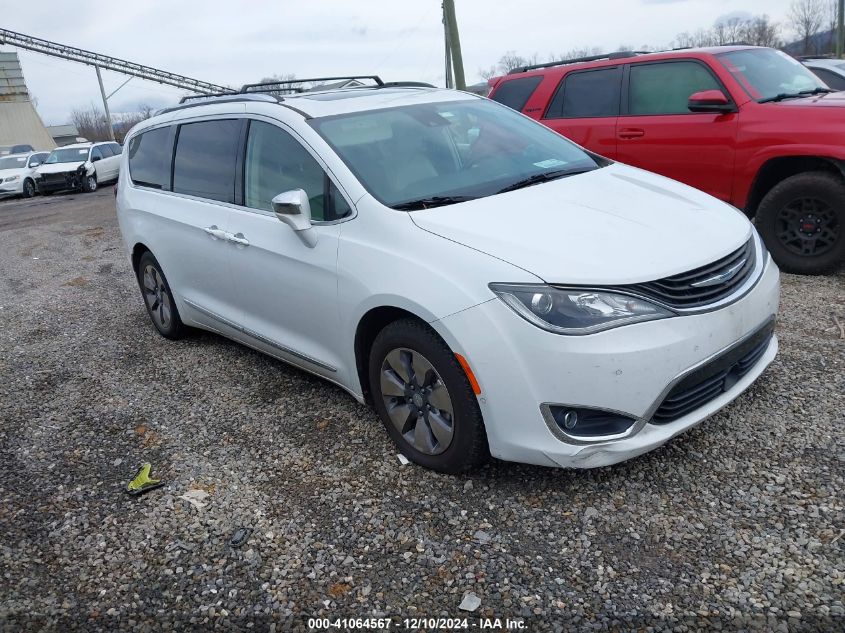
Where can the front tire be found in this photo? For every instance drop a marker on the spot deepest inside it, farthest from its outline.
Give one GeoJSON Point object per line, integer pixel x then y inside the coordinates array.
{"type": "Point", "coordinates": [802, 222]}
{"type": "Point", "coordinates": [89, 184]}
{"type": "Point", "coordinates": [158, 298]}
{"type": "Point", "coordinates": [425, 399]}
{"type": "Point", "coordinates": [28, 188]}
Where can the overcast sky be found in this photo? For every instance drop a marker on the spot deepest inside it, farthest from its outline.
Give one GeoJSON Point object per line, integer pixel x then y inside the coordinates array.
{"type": "Point", "coordinates": [239, 41]}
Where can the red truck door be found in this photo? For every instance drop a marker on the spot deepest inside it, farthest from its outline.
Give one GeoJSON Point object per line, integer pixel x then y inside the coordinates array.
{"type": "Point", "coordinates": [585, 106]}
{"type": "Point", "coordinates": [656, 131]}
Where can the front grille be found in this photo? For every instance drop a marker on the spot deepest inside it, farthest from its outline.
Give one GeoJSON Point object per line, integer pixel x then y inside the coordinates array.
{"type": "Point", "coordinates": [52, 179]}
{"type": "Point", "coordinates": [714, 378]}
{"type": "Point", "coordinates": [703, 285]}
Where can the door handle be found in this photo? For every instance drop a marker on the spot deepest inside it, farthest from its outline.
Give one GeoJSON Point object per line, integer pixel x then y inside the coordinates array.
{"type": "Point", "coordinates": [238, 238]}
{"type": "Point", "coordinates": [215, 232]}
{"type": "Point", "coordinates": [631, 132]}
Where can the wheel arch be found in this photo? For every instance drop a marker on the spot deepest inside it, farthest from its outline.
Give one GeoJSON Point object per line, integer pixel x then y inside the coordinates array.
{"type": "Point", "coordinates": [775, 170]}
{"type": "Point", "coordinates": [369, 325]}
{"type": "Point", "coordinates": [137, 252]}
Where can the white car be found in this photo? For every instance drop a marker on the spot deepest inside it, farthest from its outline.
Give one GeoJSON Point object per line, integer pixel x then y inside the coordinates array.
{"type": "Point", "coordinates": [829, 70]}
{"type": "Point", "coordinates": [17, 173]}
{"type": "Point", "coordinates": [488, 286]}
{"type": "Point", "coordinates": [80, 166]}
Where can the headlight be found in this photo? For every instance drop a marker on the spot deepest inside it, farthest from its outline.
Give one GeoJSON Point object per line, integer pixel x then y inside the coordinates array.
{"type": "Point", "coordinates": [576, 311]}
{"type": "Point", "coordinates": [12, 179]}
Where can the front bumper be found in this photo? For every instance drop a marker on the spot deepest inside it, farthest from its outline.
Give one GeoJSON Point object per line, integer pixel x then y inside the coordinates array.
{"type": "Point", "coordinates": [14, 188]}
{"type": "Point", "coordinates": [627, 369]}
{"type": "Point", "coordinates": [60, 181]}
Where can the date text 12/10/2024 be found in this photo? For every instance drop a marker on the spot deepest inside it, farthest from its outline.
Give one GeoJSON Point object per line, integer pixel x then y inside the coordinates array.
{"type": "Point", "coordinates": [412, 624]}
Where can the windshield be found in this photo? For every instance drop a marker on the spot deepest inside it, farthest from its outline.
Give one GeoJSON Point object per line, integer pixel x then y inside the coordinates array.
{"type": "Point", "coordinates": [68, 155]}
{"type": "Point", "coordinates": [766, 73]}
{"type": "Point", "coordinates": [13, 162]}
{"type": "Point", "coordinates": [438, 153]}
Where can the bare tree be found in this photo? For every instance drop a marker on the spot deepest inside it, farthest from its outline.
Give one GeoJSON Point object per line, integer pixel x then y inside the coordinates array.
{"type": "Point", "coordinates": [728, 31]}
{"type": "Point", "coordinates": [507, 63]}
{"type": "Point", "coordinates": [280, 79]}
{"type": "Point", "coordinates": [91, 123]}
{"type": "Point", "coordinates": [806, 18]}
{"type": "Point", "coordinates": [130, 120]}
{"type": "Point", "coordinates": [759, 31]}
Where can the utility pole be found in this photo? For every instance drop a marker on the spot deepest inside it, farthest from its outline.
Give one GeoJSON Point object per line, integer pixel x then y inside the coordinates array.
{"type": "Point", "coordinates": [105, 103]}
{"type": "Point", "coordinates": [840, 29]}
{"type": "Point", "coordinates": [450, 83]}
{"type": "Point", "coordinates": [454, 43]}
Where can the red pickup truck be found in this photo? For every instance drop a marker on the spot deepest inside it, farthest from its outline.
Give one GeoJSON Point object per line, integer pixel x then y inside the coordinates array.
{"type": "Point", "coordinates": [749, 125]}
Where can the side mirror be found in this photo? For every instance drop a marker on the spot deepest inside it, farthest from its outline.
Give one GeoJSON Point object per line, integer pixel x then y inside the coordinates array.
{"type": "Point", "coordinates": [292, 208]}
{"type": "Point", "coordinates": [96, 158]}
{"type": "Point", "coordinates": [35, 164]}
{"type": "Point", "coordinates": [710, 101]}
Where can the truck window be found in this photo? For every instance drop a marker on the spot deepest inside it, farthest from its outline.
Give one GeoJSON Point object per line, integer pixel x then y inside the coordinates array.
{"type": "Point", "coordinates": [591, 93]}
{"type": "Point", "coordinates": [665, 88]}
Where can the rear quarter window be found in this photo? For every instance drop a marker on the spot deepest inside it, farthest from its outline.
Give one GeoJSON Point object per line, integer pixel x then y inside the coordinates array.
{"type": "Point", "coordinates": [515, 93]}
{"type": "Point", "coordinates": [149, 158]}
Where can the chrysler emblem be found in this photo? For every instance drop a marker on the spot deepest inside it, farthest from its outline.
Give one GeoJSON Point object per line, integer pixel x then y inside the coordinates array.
{"type": "Point", "coordinates": [722, 276]}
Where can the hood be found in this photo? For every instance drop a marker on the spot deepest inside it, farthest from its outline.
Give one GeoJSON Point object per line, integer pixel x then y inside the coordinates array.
{"type": "Point", "coordinates": [57, 168]}
{"type": "Point", "coordinates": [5, 173]}
{"type": "Point", "coordinates": [828, 100]}
{"type": "Point", "coordinates": [615, 225]}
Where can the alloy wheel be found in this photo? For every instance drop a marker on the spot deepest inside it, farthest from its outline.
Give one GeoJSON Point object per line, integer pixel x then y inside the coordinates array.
{"type": "Point", "coordinates": [417, 401]}
{"type": "Point", "coordinates": [807, 227]}
{"type": "Point", "coordinates": [92, 183]}
{"type": "Point", "coordinates": [28, 189]}
{"type": "Point", "coordinates": [156, 296]}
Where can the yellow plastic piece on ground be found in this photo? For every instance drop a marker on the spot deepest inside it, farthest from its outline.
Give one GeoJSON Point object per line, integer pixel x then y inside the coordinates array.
{"type": "Point", "coordinates": [142, 481]}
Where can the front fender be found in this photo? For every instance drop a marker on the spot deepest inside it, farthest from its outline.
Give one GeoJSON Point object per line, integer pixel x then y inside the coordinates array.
{"type": "Point", "coordinates": [762, 155]}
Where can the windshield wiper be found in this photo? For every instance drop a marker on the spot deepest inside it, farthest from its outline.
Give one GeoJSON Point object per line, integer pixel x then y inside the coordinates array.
{"type": "Point", "coordinates": [433, 201]}
{"type": "Point", "coordinates": [542, 177]}
{"type": "Point", "coordinates": [796, 95]}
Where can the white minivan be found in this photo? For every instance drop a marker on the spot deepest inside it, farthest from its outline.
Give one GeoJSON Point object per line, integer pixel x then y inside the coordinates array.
{"type": "Point", "coordinates": [488, 286]}
{"type": "Point", "coordinates": [79, 167]}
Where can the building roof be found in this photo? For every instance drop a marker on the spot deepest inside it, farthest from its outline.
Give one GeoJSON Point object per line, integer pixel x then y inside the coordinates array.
{"type": "Point", "coordinates": [63, 130]}
{"type": "Point", "coordinates": [19, 122]}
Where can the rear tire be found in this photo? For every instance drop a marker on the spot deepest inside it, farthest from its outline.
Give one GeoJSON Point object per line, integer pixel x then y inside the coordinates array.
{"type": "Point", "coordinates": [433, 418]}
{"type": "Point", "coordinates": [28, 188]}
{"type": "Point", "coordinates": [802, 222]}
{"type": "Point", "coordinates": [158, 298]}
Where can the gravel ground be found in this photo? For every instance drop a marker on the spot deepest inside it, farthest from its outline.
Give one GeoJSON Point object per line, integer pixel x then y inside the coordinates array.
{"type": "Point", "coordinates": [738, 523]}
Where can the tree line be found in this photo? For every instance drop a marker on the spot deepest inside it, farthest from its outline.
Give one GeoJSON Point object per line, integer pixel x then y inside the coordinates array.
{"type": "Point", "coordinates": [811, 22]}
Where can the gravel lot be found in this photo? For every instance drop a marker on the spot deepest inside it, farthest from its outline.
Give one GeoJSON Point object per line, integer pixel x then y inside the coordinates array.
{"type": "Point", "coordinates": [739, 523]}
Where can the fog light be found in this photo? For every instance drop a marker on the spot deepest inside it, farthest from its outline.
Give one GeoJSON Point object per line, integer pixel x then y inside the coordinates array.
{"type": "Point", "coordinates": [583, 422]}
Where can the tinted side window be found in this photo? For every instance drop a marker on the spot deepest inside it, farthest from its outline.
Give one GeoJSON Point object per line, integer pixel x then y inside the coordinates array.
{"type": "Point", "coordinates": [116, 148]}
{"type": "Point", "coordinates": [837, 82]}
{"type": "Point", "coordinates": [149, 158]}
{"type": "Point", "coordinates": [275, 162]}
{"type": "Point", "coordinates": [516, 92]}
{"type": "Point", "coordinates": [106, 150]}
{"type": "Point", "coordinates": [666, 88]}
{"type": "Point", "coordinates": [591, 93]}
{"type": "Point", "coordinates": [206, 153]}
{"type": "Point", "coordinates": [96, 153]}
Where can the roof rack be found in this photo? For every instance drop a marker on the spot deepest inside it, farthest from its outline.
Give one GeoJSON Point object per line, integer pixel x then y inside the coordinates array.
{"type": "Point", "coordinates": [269, 90]}
{"type": "Point", "coordinates": [578, 60]}
{"type": "Point", "coordinates": [287, 84]}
